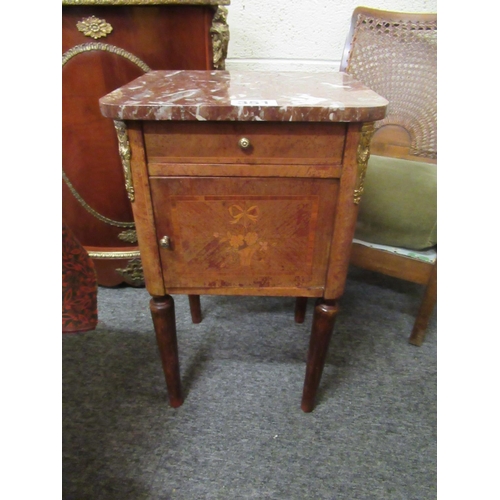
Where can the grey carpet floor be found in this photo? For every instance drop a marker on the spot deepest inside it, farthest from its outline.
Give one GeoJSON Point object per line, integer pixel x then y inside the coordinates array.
{"type": "Point", "coordinates": [240, 433]}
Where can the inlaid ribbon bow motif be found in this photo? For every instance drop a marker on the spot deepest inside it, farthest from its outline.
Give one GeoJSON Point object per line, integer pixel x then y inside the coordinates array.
{"type": "Point", "coordinates": [243, 215]}
{"type": "Point", "coordinates": [246, 244]}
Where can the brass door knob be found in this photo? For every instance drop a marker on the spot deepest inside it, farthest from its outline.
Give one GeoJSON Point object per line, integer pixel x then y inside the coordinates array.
{"type": "Point", "coordinates": [244, 143]}
{"type": "Point", "coordinates": [165, 242]}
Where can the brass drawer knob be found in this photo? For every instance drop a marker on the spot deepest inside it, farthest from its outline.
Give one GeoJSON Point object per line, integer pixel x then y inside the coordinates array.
{"type": "Point", "coordinates": [244, 143]}
{"type": "Point", "coordinates": [165, 242]}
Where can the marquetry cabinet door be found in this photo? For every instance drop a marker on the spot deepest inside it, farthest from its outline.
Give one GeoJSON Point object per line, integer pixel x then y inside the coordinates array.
{"type": "Point", "coordinates": [244, 234]}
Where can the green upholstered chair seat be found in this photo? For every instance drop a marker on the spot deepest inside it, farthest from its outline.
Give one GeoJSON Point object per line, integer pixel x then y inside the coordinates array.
{"type": "Point", "coordinates": [399, 204]}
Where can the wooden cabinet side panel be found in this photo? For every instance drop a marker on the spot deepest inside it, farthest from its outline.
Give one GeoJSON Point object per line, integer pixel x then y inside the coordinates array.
{"type": "Point", "coordinates": [143, 213]}
{"type": "Point", "coordinates": [345, 217]}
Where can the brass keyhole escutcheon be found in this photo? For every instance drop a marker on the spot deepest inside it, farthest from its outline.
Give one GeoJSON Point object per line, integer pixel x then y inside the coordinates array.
{"type": "Point", "coordinates": [165, 242]}
{"type": "Point", "coordinates": [244, 143]}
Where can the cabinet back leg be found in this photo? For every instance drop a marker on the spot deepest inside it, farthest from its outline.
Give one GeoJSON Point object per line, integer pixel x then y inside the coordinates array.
{"type": "Point", "coordinates": [195, 308]}
{"type": "Point", "coordinates": [300, 309]}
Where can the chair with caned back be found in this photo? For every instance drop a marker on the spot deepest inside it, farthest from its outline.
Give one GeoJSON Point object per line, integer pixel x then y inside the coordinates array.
{"type": "Point", "coordinates": [395, 54]}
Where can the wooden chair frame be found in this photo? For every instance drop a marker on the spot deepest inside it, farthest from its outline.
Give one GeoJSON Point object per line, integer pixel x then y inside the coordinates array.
{"type": "Point", "coordinates": [389, 142]}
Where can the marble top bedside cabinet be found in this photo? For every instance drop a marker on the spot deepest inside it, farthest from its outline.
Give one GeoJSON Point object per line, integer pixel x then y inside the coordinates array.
{"type": "Point", "coordinates": [244, 183]}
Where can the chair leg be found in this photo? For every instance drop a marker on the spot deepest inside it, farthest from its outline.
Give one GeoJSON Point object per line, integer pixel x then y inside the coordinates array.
{"type": "Point", "coordinates": [300, 309]}
{"type": "Point", "coordinates": [426, 307]}
{"type": "Point", "coordinates": [324, 316]}
{"type": "Point", "coordinates": [195, 308]}
{"type": "Point", "coordinates": [163, 314]}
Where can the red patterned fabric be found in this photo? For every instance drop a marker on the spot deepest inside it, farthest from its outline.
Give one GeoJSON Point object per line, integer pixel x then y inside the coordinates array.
{"type": "Point", "coordinates": [79, 286]}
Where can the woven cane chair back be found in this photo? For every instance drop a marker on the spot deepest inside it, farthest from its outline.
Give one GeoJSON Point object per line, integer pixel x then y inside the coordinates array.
{"type": "Point", "coordinates": [395, 54]}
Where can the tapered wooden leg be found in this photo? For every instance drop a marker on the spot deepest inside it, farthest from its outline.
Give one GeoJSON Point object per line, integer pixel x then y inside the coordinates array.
{"type": "Point", "coordinates": [426, 307]}
{"type": "Point", "coordinates": [195, 308]}
{"type": "Point", "coordinates": [300, 309]}
{"type": "Point", "coordinates": [325, 313]}
{"type": "Point", "coordinates": [163, 313]}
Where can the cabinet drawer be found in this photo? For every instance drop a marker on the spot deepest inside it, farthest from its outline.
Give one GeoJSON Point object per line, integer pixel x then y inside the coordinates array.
{"type": "Point", "coordinates": [244, 235]}
{"type": "Point", "coordinates": [271, 143]}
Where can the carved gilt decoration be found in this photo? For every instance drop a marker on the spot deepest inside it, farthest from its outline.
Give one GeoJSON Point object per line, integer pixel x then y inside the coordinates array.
{"type": "Point", "coordinates": [362, 156]}
{"type": "Point", "coordinates": [117, 255]}
{"type": "Point", "coordinates": [133, 273]}
{"type": "Point", "coordinates": [87, 47]}
{"type": "Point", "coordinates": [220, 37]}
{"type": "Point", "coordinates": [125, 155]}
{"type": "Point", "coordinates": [94, 27]}
{"type": "Point", "coordinates": [129, 236]}
{"type": "Point", "coordinates": [90, 210]}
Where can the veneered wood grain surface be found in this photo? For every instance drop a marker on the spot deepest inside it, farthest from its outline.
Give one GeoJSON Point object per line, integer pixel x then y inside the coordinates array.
{"type": "Point", "coordinates": [245, 233]}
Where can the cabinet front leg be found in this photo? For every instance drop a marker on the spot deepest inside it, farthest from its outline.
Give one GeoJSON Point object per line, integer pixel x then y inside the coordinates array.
{"type": "Point", "coordinates": [163, 314]}
{"type": "Point", "coordinates": [324, 316]}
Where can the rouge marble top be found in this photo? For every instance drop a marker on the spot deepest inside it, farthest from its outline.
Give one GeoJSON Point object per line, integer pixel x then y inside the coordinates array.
{"type": "Point", "coordinates": [244, 96]}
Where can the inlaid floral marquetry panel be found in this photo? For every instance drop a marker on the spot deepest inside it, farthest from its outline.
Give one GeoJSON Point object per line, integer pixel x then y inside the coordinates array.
{"type": "Point", "coordinates": [243, 239]}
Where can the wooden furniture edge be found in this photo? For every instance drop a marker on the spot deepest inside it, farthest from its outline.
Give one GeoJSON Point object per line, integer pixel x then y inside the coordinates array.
{"type": "Point", "coordinates": [342, 237]}
{"type": "Point", "coordinates": [397, 266]}
{"type": "Point", "coordinates": [143, 209]}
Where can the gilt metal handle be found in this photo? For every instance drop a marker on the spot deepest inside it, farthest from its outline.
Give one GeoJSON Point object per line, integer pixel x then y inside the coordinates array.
{"type": "Point", "coordinates": [165, 242]}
